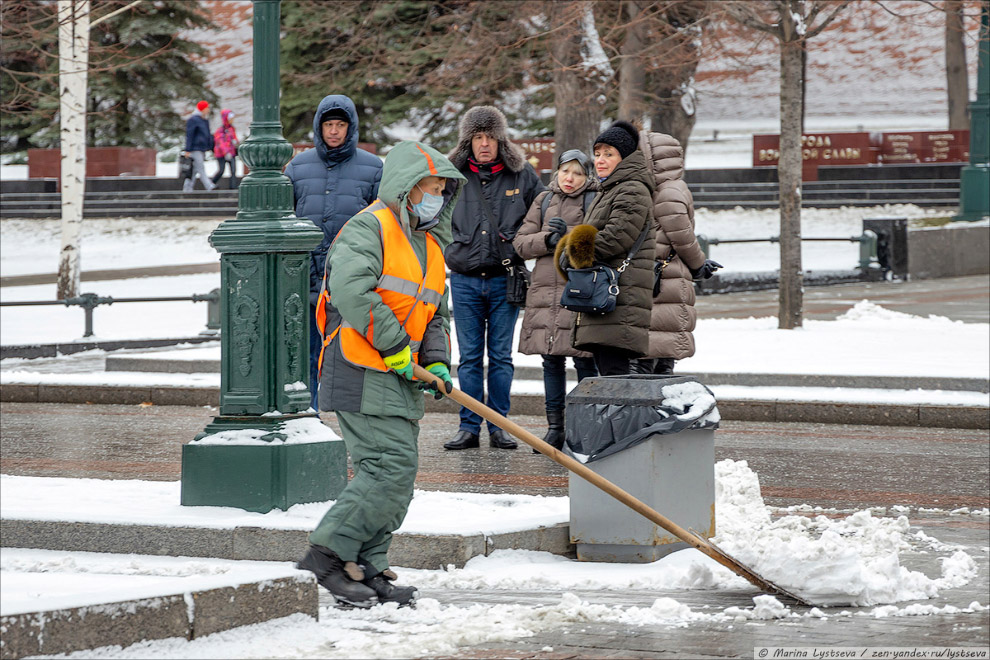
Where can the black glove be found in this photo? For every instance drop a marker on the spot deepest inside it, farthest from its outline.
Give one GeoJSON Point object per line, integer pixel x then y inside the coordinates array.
{"type": "Point", "coordinates": [557, 229]}
{"type": "Point", "coordinates": [707, 270]}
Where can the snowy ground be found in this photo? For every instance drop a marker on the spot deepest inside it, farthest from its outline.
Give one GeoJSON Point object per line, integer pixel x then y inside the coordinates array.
{"type": "Point", "coordinates": [841, 561]}
{"type": "Point", "coordinates": [32, 247]}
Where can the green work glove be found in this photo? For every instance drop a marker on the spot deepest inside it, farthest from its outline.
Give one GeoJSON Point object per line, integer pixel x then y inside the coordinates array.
{"type": "Point", "coordinates": [440, 370]}
{"type": "Point", "coordinates": [401, 362]}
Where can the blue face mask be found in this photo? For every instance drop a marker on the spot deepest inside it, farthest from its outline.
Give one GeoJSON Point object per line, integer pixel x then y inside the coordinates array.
{"type": "Point", "coordinates": [428, 207]}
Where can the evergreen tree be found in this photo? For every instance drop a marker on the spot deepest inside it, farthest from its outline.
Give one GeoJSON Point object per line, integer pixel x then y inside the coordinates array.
{"type": "Point", "coordinates": [28, 91]}
{"type": "Point", "coordinates": [422, 62]}
{"type": "Point", "coordinates": [138, 68]}
{"type": "Point", "coordinates": [147, 71]}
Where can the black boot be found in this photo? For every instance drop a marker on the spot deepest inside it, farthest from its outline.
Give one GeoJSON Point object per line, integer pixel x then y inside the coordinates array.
{"type": "Point", "coordinates": [463, 440]}
{"type": "Point", "coordinates": [386, 591]}
{"type": "Point", "coordinates": [500, 440]}
{"type": "Point", "coordinates": [340, 579]}
{"type": "Point", "coordinates": [555, 430]}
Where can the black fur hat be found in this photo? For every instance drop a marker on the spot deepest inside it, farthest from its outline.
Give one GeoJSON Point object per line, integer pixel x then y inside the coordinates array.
{"type": "Point", "coordinates": [489, 120]}
{"type": "Point", "coordinates": [622, 135]}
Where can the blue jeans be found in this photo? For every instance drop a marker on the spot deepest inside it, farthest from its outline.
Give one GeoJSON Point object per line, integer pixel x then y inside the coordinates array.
{"type": "Point", "coordinates": [482, 314]}
{"type": "Point", "coordinates": [555, 377]}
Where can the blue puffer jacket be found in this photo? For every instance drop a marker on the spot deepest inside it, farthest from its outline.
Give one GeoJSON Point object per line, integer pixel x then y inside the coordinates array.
{"type": "Point", "coordinates": [332, 185]}
{"type": "Point", "coordinates": [198, 137]}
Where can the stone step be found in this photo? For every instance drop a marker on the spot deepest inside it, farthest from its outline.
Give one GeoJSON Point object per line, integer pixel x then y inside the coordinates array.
{"type": "Point", "coordinates": [758, 410]}
{"type": "Point", "coordinates": [175, 611]}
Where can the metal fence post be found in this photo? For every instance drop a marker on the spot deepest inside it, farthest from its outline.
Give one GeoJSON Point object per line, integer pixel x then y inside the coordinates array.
{"type": "Point", "coordinates": [868, 250]}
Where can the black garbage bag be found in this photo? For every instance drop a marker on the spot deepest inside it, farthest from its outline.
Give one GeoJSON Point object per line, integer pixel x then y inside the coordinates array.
{"type": "Point", "coordinates": [606, 415]}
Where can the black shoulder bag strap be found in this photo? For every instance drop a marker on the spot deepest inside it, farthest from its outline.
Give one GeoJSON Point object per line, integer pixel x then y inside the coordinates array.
{"type": "Point", "coordinates": [638, 244]}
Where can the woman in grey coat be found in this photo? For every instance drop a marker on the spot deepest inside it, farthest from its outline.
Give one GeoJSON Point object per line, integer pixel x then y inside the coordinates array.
{"type": "Point", "coordinates": [612, 226]}
{"type": "Point", "coordinates": [546, 326]}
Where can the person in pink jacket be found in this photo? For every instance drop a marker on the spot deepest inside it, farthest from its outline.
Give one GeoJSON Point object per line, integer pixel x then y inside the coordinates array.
{"type": "Point", "coordinates": [225, 148]}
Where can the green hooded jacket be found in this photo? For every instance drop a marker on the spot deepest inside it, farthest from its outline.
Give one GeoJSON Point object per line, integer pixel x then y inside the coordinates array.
{"type": "Point", "coordinates": [353, 268]}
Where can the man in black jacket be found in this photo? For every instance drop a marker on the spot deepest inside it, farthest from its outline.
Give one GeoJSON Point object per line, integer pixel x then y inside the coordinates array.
{"type": "Point", "coordinates": [499, 178]}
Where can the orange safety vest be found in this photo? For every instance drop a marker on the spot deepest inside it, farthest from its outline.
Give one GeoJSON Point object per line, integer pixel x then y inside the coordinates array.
{"type": "Point", "coordinates": [411, 295]}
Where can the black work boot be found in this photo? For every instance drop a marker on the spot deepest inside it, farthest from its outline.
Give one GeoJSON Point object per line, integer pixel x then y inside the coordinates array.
{"type": "Point", "coordinates": [463, 440]}
{"type": "Point", "coordinates": [342, 580]}
{"type": "Point", "coordinates": [387, 592]}
{"type": "Point", "coordinates": [500, 440]}
{"type": "Point", "coordinates": [555, 430]}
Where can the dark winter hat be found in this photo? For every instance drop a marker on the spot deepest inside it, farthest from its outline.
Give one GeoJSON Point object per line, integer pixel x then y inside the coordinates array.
{"type": "Point", "coordinates": [622, 135]}
{"type": "Point", "coordinates": [579, 156]}
{"type": "Point", "coordinates": [335, 113]}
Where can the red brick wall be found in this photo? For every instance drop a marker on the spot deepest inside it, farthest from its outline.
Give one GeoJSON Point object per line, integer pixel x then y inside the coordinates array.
{"type": "Point", "coordinates": [100, 161]}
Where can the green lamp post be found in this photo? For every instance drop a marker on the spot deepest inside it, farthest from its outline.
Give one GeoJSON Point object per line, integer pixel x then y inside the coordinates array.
{"type": "Point", "coordinates": [246, 457]}
{"type": "Point", "coordinates": [974, 191]}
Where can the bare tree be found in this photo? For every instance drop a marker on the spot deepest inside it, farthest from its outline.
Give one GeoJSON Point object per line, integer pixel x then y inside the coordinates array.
{"type": "Point", "coordinates": [956, 77]}
{"type": "Point", "coordinates": [73, 59]}
{"type": "Point", "coordinates": [632, 67]}
{"type": "Point", "coordinates": [658, 48]}
{"type": "Point", "coordinates": [792, 23]}
{"type": "Point", "coordinates": [671, 82]}
{"type": "Point", "coordinates": [580, 71]}
{"type": "Point", "coordinates": [74, 25]}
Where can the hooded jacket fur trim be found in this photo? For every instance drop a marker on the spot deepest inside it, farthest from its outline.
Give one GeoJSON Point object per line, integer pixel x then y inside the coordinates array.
{"type": "Point", "coordinates": [489, 120]}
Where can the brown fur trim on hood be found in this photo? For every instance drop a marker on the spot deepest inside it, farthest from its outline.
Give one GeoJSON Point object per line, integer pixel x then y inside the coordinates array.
{"type": "Point", "coordinates": [490, 120]}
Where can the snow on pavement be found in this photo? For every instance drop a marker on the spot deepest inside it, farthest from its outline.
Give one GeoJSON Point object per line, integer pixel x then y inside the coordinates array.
{"type": "Point", "coordinates": [851, 560]}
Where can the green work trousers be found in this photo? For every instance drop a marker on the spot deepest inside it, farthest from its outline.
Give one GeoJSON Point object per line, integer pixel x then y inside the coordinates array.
{"type": "Point", "coordinates": [384, 454]}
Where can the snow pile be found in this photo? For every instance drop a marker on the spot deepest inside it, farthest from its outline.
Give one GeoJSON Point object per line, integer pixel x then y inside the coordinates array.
{"type": "Point", "coordinates": [852, 561]}
{"type": "Point", "coordinates": [296, 431]}
{"type": "Point", "coordinates": [866, 312]}
{"type": "Point", "coordinates": [529, 570]}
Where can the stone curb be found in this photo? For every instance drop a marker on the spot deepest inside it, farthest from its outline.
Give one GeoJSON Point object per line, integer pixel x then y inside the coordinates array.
{"type": "Point", "coordinates": [261, 544]}
{"type": "Point", "coordinates": [188, 615]}
{"type": "Point", "coordinates": [159, 365]}
{"type": "Point", "coordinates": [962, 417]}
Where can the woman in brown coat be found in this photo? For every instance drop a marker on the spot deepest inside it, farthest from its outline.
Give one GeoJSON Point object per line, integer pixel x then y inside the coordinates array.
{"type": "Point", "coordinates": [620, 214]}
{"type": "Point", "coordinates": [546, 326]}
{"type": "Point", "coordinates": [677, 254]}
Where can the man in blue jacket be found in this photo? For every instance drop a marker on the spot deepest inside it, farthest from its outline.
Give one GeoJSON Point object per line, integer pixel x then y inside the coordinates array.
{"type": "Point", "coordinates": [332, 182]}
{"type": "Point", "coordinates": [199, 140]}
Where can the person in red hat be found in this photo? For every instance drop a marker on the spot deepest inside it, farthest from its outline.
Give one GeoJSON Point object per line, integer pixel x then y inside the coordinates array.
{"type": "Point", "coordinates": [199, 140]}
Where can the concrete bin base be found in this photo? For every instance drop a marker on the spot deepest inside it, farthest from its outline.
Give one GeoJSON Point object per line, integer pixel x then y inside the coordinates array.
{"type": "Point", "coordinates": [674, 474]}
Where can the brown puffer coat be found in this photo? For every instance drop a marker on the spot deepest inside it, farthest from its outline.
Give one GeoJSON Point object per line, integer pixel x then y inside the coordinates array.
{"type": "Point", "coordinates": [546, 326]}
{"type": "Point", "coordinates": [619, 214]}
{"type": "Point", "coordinates": [674, 316]}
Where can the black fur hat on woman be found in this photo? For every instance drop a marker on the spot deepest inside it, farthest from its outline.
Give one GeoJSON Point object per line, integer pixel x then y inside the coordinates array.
{"type": "Point", "coordinates": [490, 121]}
{"type": "Point", "coordinates": [622, 135]}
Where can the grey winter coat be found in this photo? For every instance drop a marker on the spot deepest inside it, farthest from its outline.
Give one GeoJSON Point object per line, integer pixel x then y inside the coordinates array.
{"type": "Point", "coordinates": [546, 326]}
{"type": "Point", "coordinates": [619, 214]}
{"type": "Point", "coordinates": [331, 185]}
{"type": "Point", "coordinates": [673, 318]}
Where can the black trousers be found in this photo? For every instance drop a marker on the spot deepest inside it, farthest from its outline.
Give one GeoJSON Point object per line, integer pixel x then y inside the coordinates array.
{"type": "Point", "coordinates": [662, 366]}
{"type": "Point", "coordinates": [611, 361]}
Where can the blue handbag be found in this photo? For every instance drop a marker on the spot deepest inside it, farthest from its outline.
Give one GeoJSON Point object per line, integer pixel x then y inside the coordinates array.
{"type": "Point", "coordinates": [594, 290]}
